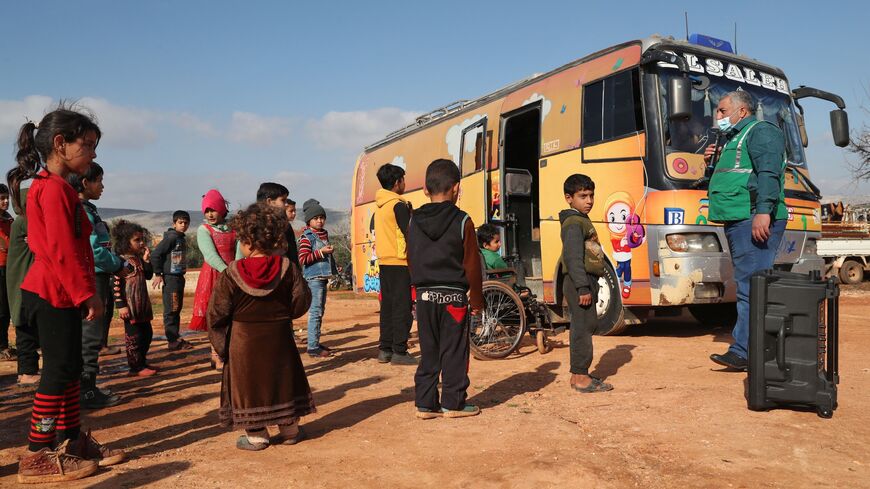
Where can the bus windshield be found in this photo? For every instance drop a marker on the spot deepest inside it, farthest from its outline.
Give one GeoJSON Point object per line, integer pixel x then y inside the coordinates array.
{"type": "Point", "coordinates": [694, 134]}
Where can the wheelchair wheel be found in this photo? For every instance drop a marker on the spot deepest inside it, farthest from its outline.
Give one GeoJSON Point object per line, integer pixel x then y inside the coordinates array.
{"type": "Point", "coordinates": [502, 323]}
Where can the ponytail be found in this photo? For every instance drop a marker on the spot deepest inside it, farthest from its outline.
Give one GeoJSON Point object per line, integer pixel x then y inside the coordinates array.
{"type": "Point", "coordinates": [28, 164]}
{"type": "Point", "coordinates": [36, 145]}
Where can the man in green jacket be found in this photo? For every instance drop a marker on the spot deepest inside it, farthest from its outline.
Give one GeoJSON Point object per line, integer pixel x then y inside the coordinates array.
{"type": "Point", "coordinates": [746, 195]}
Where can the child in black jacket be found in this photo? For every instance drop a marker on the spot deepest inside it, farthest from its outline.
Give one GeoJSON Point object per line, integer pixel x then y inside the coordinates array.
{"type": "Point", "coordinates": [169, 263]}
{"type": "Point", "coordinates": [445, 267]}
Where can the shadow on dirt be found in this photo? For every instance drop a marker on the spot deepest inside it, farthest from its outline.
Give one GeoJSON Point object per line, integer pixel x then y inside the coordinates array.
{"type": "Point", "coordinates": [517, 384]}
{"type": "Point", "coordinates": [355, 413]}
{"type": "Point", "coordinates": [612, 360]}
{"type": "Point", "coordinates": [141, 477]}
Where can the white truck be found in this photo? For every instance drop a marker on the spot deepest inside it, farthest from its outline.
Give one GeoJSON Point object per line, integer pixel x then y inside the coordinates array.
{"type": "Point", "coordinates": [845, 247]}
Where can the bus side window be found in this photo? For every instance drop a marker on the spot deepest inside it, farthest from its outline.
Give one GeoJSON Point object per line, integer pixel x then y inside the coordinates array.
{"type": "Point", "coordinates": [612, 108]}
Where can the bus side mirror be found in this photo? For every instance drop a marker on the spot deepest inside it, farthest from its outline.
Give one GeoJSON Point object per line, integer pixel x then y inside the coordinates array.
{"type": "Point", "coordinates": [680, 98]}
{"type": "Point", "coordinates": [840, 127]}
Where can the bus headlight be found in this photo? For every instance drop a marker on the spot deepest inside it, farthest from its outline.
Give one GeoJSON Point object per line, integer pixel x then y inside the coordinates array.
{"type": "Point", "coordinates": [694, 242]}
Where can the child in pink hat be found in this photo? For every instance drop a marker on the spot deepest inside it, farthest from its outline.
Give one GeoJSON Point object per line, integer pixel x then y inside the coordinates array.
{"type": "Point", "coordinates": [218, 245]}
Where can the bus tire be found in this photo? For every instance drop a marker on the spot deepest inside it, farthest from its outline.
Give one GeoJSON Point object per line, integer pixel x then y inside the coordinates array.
{"type": "Point", "coordinates": [851, 272]}
{"type": "Point", "coordinates": [611, 315]}
{"type": "Point", "coordinates": [715, 315]}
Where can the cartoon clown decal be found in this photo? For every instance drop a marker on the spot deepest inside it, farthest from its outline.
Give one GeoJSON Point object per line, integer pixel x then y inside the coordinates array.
{"type": "Point", "coordinates": [626, 233]}
{"type": "Point", "coordinates": [372, 276]}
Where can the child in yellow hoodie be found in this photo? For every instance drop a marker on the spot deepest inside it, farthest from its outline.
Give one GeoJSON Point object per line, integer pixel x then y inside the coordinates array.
{"type": "Point", "coordinates": [392, 216]}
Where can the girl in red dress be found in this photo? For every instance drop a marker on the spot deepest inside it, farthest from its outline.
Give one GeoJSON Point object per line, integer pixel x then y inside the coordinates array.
{"type": "Point", "coordinates": [58, 291]}
{"type": "Point", "coordinates": [218, 245]}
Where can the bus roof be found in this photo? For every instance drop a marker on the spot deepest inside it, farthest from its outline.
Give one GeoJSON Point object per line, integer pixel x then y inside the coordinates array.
{"type": "Point", "coordinates": [461, 106]}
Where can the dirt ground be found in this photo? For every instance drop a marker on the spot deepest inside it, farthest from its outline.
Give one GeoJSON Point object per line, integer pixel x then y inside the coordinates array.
{"type": "Point", "coordinates": [673, 420]}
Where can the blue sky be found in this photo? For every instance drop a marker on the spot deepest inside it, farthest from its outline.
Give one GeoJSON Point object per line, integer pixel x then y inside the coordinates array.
{"type": "Point", "coordinates": [198, 94]}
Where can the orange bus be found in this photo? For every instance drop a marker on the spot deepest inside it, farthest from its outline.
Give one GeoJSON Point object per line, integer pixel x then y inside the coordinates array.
{"type": "Point", "coordinates": [635, 117]}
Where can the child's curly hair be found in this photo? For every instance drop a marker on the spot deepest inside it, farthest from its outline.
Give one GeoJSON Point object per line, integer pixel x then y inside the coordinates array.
{"type": "Point", "coordinates": [262, 226]}
{"type": "Point", "coordinates": [123, 231]}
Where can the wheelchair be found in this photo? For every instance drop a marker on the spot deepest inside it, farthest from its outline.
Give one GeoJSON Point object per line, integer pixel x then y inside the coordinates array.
{"type": "Point", "coordinates": [510, 310]}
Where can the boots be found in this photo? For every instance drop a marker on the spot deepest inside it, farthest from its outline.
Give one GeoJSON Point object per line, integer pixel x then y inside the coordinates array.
{"type": "Point", "coordinates": [54, 466]}
{"type": "Point", "coordinates": [94, 398]}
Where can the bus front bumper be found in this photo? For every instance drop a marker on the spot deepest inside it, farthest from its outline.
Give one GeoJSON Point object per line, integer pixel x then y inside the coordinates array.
{"type": "Point", "coordinates": [708, 277]}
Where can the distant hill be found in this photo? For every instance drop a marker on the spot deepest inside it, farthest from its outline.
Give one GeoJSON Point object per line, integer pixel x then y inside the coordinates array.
{"type": "Point", "coordinates": [158, 222]}
{"type": "Point", "coordinates": [108, 213]}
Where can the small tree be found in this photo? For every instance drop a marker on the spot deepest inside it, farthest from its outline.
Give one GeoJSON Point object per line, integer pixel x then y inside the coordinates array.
{"type": "Point", "coordinates": [860, 146]}
{"type": "Point", "coordinates": [194, 256]}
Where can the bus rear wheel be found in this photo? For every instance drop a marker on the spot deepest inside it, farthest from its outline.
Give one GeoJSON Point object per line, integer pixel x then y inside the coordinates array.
{"type": "Point", "coordinates": [611, 315]}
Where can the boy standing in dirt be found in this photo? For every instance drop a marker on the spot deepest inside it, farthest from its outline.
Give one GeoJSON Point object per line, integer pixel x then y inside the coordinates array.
{"type": "Point", "coordinates": [391, 225]}
{"type": "Point", "coordinates": [95, 333]}
{"type": "Point", "coordinates": [445, 267]}
{"type": "Point", "coordinates": [278, 196]}
{"type": "Point", "coordinates": [169, 262]}
{"type": "Point", "coordinates": [582, 263]}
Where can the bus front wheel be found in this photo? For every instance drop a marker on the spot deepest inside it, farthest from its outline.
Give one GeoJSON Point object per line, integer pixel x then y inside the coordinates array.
{"type": "Point", "coordinates": [611, 315]}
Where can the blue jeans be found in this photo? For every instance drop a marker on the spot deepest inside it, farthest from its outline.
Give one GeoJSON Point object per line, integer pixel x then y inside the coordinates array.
{"type": "Point", "coordinates": [748, 257]}
{"type": "Point", "coordinates": [315, 313]}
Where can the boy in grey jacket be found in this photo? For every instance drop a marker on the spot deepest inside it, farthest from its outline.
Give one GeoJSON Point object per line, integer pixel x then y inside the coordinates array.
{"type": "Point", "coordinates": [582, 262]}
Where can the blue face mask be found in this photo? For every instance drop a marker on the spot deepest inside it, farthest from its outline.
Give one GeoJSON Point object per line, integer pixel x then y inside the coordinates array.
{"type": "Point", "coordinates": [725, 123]}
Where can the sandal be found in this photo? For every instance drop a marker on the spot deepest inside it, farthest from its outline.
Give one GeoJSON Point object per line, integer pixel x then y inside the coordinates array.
{"type": "Point", "coordinates": [280, 440]}
{"type": "Point", "coordinates": [244, 444]}
{"type": "Point", "coordinates": [8, 355]}
{"type": "Point", "coordinates": [320, 352]}
{"type": "Point", "coordinates": [597, 385]}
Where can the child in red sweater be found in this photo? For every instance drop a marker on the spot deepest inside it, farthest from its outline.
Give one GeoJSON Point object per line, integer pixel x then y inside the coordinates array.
{"type": "Point", "coordinates": [58, 290]}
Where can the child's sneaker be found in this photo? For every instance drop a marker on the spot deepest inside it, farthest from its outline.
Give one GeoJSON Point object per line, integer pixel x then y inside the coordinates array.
{"type": "Point", "coordinates": [426, 413]}
{"type": "Point", "coordinates": [464, 412]}
{"type": "Point", "coordinates": [54, 466]}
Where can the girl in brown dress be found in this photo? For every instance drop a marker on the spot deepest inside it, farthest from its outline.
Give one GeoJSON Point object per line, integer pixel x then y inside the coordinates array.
{"type": "Point", "coordinates": [249, 322]}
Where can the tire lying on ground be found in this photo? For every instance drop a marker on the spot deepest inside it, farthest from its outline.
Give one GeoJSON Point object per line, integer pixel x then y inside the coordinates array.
{"type": "Point", "coordinates": [611, 315]}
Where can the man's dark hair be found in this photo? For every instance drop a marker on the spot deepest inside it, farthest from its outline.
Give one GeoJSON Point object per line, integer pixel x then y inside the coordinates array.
{"type": "Point", "coordinates": [389, 174]}
{"type": "Point", "coordinates": [180, 215]}
{"type": "Point", "coordinates": [94, 171]}
{"type": "Point", "coordinates": [271, 190]}
{"type": "Point", "coordinates": [486, 233]}
{"type": "Point", "coordinates": [441, 176]}
{"type": "Point", "coordinates": [290, 201]}
{"type": "Point", "coordinates": [4, 190]}
{"type": "Point", "coordinates": [578, 182]}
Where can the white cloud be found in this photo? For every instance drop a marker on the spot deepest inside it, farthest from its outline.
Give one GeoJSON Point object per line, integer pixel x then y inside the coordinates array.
{"type": "Point", "coordinates": [122, 126]}
{"type": "Point", "coordinates": [250, 128]}
{"type": "Point", "coordinates": [454, 136]}
{"type": "Point", "coordinates": [155, 191]}
{"type": "Point", "coordinates": [400, 162]}
{"type": "Point", "coordinates": [546, 104]}
{"type": "Point", "coordinates": [355, 130]}
{"type": "Point", "coordinates": [14, 113]}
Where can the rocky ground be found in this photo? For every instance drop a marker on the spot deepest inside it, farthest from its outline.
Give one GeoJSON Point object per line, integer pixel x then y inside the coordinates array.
{"type": "Point", "coordinates": [673, 419]}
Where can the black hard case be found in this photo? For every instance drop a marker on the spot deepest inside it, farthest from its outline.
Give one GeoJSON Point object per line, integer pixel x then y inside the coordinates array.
{"type": "Point", "coordinates": [793, 341]}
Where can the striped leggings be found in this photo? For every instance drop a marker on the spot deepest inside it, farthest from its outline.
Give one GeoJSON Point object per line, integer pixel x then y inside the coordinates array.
{"type": "Point", "coordinates": [56, 404]}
